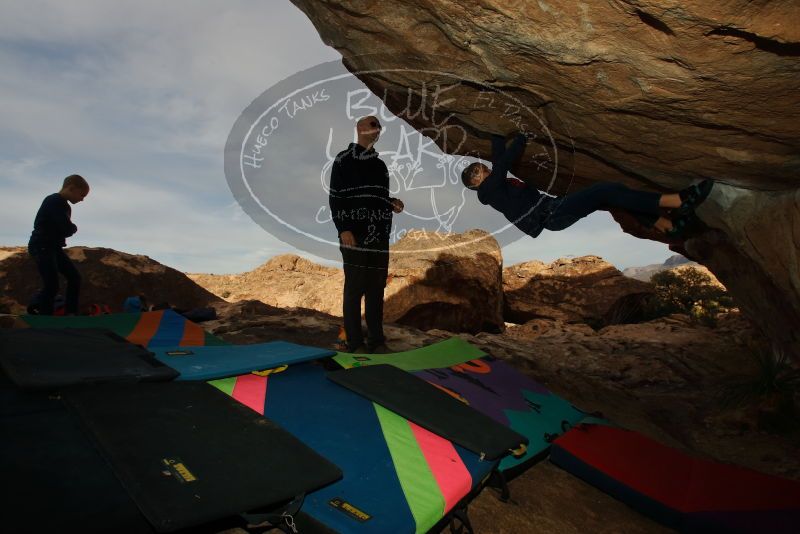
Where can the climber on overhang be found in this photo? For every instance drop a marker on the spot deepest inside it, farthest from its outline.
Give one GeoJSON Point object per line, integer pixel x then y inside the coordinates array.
{"type": "Point", "coordinates": [532, 211]}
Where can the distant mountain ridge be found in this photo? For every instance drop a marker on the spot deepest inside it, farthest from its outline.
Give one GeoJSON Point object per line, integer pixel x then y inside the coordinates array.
{"type": "Point", "coordinates": [644, 273]}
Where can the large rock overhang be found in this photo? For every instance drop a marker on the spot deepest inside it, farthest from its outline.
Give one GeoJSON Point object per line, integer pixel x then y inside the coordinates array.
{"type": "Point", "coordinates": [654, 94]}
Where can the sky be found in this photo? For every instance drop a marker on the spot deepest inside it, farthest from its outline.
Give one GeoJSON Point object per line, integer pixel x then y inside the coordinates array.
{"type": "Point", "coordinates": [140, 98]}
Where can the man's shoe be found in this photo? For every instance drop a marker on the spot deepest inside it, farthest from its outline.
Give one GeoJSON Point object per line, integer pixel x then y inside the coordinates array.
{"type": "Point", "coordinates": [694, 195]}
{"type": "Point", "coordinates": [381, 349]}
{"type": "Point", "coordinates": [361, 349]}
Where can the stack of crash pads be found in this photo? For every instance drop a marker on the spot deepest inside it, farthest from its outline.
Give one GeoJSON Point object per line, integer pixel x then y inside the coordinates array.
{"type": "Point", "coordinates": [174, 341]}
{"type": "Point", "coordinates": [403, 436]}
{"type": "Point", "coordinates": [682, 491]}
{"type": "Point", "coordinates": [398, 476]}
{"type": "Point", "coordinates": [672, 487]}
{"type": "Point", "coordinates": [433, 409]}
{"type": "Point", "coordinates": [189, 455]}
{"type": "Point", "coordinates": [400, 437]}
{"type": "Point", "coordinates": [491, 387]}
{"type": "Point", "coordinates": [150, 457]}
{"type": "Point", "coordinates": [148, 329]}
{"type": "Point", "coordinates": [180, 454]}
{"type": "Point", "coordinates": [411, 453]}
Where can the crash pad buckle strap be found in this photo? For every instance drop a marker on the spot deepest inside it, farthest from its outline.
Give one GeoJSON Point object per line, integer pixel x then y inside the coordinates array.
{"type": "Point", "coordinates": [519, 451]}
{"type": "Point", "coordinates": [282, 520]}
{"type": "Point", "coordinates": [289, 520]}
{"type": "Point", "coordinates": [566, 426]}
{"type": "Point", "coordinates": [267, 372]}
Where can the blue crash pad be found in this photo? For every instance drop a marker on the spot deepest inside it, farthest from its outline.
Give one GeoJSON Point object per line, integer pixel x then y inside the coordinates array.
{"type": "Point", "coordinates": [211, 362]}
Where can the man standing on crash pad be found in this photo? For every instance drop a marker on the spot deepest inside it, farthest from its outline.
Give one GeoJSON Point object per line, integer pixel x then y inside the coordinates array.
{"type": "Point", "coordinates": [362, 210]}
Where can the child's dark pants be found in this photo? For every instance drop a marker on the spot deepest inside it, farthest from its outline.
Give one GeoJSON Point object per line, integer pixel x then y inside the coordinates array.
{"type": "Point", "coordinates": [50, 261]}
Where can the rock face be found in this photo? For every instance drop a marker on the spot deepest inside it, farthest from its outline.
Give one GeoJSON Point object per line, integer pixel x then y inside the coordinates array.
{"type": "Point", "coordinates": [654, 90]}
{"type": "Point", "coordinates": [578, 290]}
{"type": "Point", "coordinates": [285, 281]}
{"type": "Point", "coordinates": [651, 93]}
{"type": "Point", "coordinates": [754, 250]}
{"type": "Point", "coordinates": [108, 277]}
{"type": "Point", "coordinates": [451, 282]}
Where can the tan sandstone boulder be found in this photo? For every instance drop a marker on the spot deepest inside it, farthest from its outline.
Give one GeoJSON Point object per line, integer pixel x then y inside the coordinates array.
{"type": "Point", "coordinates": [108, 277]}
{"type": "Point", "coordinates": [571, 290]}
{"type": "Point", "coordinates": [285, 281]}
{"type": "Point", "coordinates": [451, 282]}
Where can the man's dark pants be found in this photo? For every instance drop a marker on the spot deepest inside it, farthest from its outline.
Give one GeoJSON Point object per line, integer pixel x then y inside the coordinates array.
{"type": "Point", "coordinates": [567, 210]}
{"type": "Point", "coordinates": [365, 272]}
{"type": "Point", "coordinates": [50, 261]}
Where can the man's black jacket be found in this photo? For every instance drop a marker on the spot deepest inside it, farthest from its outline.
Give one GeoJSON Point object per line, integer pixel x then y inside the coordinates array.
{"type": "Point", "coordinates": [359, 196]}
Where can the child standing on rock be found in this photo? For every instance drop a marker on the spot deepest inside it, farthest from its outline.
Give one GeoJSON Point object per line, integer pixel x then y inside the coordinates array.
{"type": "Point", "coordinates": [51, 227]}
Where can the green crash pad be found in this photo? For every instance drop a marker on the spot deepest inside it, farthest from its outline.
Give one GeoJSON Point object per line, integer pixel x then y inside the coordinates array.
{"type": "Point", "coordinates": [449, 352]}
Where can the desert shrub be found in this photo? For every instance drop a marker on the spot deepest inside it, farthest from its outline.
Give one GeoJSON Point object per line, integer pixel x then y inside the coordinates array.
{"type": "Point", "coordinates": [773, 387]}
{"type": "Point", "coordinates": [689, 291]}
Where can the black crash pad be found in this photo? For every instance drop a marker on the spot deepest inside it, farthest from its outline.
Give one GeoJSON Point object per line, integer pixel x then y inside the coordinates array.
{"type": "Point", "coordinates": [429, 407]}
{"type": "Point", "coordinates": [50, 358]}
{"type": "Point", "coordinates": [54, 479]}
{"type": "Point", "coordinates": [188, 454]}
{"type": "Point", "coordinates": [14, 401]}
